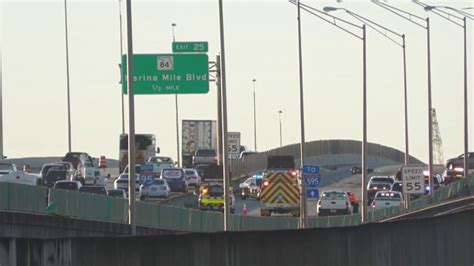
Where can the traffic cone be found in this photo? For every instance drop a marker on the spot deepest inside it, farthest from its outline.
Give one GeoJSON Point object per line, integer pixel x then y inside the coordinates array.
{"type": "Point", "coordinates": [244, 210]}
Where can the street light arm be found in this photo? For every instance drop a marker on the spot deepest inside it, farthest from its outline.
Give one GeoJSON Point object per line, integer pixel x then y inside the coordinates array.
{"type": "Point", "coordinates": [332, 23]}
{"type": "Point", "coordinates": [462, 13]}
{"type": "Point", "coordinates": [441, 13]}
{"type": "Point", "coordinates": [331, 16]}
{"type": "Point", "coordinates": [401, 13]}
{"type": "Point", "coordinates": [318, 13]}
{"type": "Point", "coordinates": [375, 26]}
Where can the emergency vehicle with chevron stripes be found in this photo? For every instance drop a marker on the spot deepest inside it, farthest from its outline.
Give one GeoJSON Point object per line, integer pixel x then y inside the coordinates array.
{"type": "Point", "coordinates": [280, 192]}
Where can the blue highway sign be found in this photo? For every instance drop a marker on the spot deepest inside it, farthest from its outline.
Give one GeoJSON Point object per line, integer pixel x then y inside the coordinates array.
{"type": "Point", "coordinates": [312, 193]}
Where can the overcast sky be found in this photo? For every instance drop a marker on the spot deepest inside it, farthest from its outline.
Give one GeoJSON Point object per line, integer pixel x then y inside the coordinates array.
{"type": "Point", "coordinates": [261, 43]}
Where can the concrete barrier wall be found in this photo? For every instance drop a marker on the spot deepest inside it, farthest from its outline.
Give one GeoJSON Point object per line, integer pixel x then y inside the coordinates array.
{"type": "Point", "coordinates": [442, 241]}
{"type": "Point", "coordinates": [316, 150]}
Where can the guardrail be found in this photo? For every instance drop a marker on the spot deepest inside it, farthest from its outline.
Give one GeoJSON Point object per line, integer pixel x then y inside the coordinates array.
{"type": "Point", "coordinates": [442, 194]}
{"type": "Point", "coordinates": [88, 206]}
{"type": "Point", "coordinates": [32, 199]}
{"type": "Point", "coordinates": [22, 198]}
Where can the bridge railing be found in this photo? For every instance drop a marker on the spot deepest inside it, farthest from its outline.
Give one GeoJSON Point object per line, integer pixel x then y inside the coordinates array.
{"type": "Point", "coordinates": [440, 195]}
{"type": "Point", "coordinates": [88, 206]}
{"type": "Point", "coordinates": [32, 199]}
{"type": "Point", "coordinates": [22, 198]}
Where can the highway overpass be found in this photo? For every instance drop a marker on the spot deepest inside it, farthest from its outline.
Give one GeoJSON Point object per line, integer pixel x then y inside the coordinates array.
{"type": "Point", "coordinates": [326, 153]}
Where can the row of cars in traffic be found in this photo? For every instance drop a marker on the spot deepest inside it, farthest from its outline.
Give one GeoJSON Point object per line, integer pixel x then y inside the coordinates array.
{"type": "Point", "coordinates": [164, 181]}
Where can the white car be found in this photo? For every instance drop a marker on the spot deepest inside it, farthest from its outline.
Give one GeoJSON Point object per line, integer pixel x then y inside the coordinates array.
{"type": "Point", "coordinates": [333, 202]}
{"type": "Point", "coordinates": [159, 189]}
{"type": "Point", "coordinates": [387, 199]}
{"type": "Point", "coordinates": [192, 177]}
{"type": "Point", "coordinates": [122, 182]}
{"type": "Point", "coordinates": [20, 177]}
{"type": "Point", "coordinates": [167, 162]}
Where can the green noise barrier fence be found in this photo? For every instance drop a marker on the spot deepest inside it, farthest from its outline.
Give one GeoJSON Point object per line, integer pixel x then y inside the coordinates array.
{"type": "Point", "coordinates": [22, 198]}
{"type": "Point", "coordinates": [88, 206]}
{"type": "Point", "coordinates": [33, 199]}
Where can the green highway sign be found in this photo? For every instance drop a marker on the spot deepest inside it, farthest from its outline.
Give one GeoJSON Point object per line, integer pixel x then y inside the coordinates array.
{"type": "Point", "coordinates": [190, 47]}
{"type": "Point", "coordinates": [168, 73]}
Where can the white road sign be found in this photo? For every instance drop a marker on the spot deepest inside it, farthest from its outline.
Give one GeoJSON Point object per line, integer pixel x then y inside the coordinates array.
{"type": "Point", "coordinates": [413, 180]}
{"type": "Point", "coordinates": [233, 144]}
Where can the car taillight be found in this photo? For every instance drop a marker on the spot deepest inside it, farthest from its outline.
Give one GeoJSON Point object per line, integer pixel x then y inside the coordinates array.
{"type": "Point", "coordinates": [193, 177]}
{"type": "Point", "coordinates": [293, 173]}
{"type": "Point", "coordinates": [373, 205]}
{"type": "Point", "coordinates": [265, 183]}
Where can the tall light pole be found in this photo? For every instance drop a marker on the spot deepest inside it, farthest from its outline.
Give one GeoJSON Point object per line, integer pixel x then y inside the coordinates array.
{"type": "Point", "coordinates": [344, 25]}
{"type": "Point", "coordinates": [303, 206]}
{"type": "Point", "coordinates": [121, 53]}
{"type": "Point", "coordinates": [448, 16]}
{"type": "Point", "coordinates": [384, 31]}
{"type": "Point", "coordinates": [67, 79]}
{"type": "Point", "coordinates": [279, 118]}
{"type": "Point", "coordinates": [225, 159]}
{"type": "Point", "coordinates": [411, 18]}
{"type": "Point", "coordinates": [254, 117]}
{"type": "Point", "coordinates": [173, 25]}
{"type": "Point", "coordinates": [131, 123]}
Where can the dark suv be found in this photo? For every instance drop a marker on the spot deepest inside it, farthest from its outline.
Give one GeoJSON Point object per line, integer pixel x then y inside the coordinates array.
{"type": "Point", "coordinates": [458, 162]}
{"type": "Point", "coordinates": [94, 190]}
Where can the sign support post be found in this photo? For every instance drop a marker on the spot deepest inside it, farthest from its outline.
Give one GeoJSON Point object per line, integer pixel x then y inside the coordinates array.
{"type": "Point", "coordinates": [131, 130]}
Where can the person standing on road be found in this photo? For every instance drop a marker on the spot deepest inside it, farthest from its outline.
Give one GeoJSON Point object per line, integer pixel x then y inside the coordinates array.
{"type": "Point", "coordinates": [354, 202]}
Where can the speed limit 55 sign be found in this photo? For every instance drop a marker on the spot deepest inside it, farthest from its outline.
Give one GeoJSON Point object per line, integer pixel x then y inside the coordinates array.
{"type": "Point", "coordinates": [233, 144]}
{"type": "Point", "coordinates": [413, 180]}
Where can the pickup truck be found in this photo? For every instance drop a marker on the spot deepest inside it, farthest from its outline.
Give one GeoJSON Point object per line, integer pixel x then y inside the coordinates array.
{"type": "Point", "coordinates": [20, 177]}
{"type": "Point", "coordinates": [6, 168]}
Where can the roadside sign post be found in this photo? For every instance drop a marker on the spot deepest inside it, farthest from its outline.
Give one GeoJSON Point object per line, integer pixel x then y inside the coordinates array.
{"type": "Point", "coordinates": [413, 181]}
{"type": "Point", "coordinates": [311, 179]}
